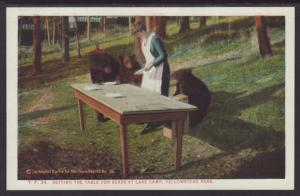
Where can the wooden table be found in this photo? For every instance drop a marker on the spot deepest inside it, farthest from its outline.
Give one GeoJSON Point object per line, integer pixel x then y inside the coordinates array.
{"type": "Point", "coordinates": [137, 105]}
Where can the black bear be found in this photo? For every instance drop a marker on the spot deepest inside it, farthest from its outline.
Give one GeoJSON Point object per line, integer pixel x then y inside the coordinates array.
{"type": "Point", "coordinates": [103, 68]}
{"type": "Point", "coordinates": [128, 66]}
{"type": "Point", "coordinates": [197, 92]}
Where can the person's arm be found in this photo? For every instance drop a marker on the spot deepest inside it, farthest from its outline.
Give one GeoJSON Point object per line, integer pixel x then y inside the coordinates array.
{"type": "Point", "coordinates": [159, 47]}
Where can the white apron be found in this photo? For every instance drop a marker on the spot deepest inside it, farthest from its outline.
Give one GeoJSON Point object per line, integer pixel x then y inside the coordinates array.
{"type": "Point", "coordinates": [152, 79]}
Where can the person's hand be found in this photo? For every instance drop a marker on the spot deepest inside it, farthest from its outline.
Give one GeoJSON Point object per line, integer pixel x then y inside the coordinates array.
{"type": "Point", "coordinates": [139, 72]}
{"type": "Point", "coordinates": [148, 66]}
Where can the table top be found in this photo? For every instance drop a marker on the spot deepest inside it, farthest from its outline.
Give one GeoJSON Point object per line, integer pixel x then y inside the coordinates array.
{"type": "Point", "coordinates": [134, 100]}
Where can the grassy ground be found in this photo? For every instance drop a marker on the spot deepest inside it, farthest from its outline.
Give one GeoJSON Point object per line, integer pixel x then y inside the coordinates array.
{"type": "Point", "coordinates": [241, 137]}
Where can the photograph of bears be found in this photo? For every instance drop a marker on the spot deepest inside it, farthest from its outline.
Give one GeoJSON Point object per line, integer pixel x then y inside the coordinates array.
{"type": "Point", "coordinates": [232, 68]}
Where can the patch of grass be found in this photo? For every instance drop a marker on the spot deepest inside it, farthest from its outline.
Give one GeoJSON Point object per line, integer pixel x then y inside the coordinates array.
{"type": "Point", "coordinates": [248, 101]}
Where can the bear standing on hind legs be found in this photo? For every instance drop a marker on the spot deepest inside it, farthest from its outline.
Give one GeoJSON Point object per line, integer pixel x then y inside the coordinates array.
{"type": "Point", "coordinates": [103, 68]}
{"type": "Point", "coordinates": [197, 92]}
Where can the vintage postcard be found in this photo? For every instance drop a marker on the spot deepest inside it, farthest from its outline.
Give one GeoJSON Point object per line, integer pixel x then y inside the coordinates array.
{"type": "Point", "coordinates": [147, 98]}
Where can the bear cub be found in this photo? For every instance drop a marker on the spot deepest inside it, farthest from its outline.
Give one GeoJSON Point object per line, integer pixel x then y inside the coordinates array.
{"type": "Point", "coordinates": [197, 92]}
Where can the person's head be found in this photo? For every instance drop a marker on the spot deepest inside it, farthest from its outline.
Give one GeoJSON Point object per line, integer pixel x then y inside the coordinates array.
{"type": "Point", "coordinates": [140, 33]}
{"type": "Point", "coordinates": [138, 27]}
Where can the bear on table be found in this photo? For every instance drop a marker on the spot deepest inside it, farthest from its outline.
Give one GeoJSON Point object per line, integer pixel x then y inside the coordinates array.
{"type": "Point", "coordinates": [128, 68]}
{"type": "Point", "coordinates": [103, 68]}
{"type": "Point", "coordinates": [197, 92]}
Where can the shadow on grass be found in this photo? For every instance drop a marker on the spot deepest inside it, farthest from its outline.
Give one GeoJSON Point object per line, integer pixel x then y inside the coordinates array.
{"type": "Point", "coordinates": [263, 166]}
{"type": "Point", "coordinates": [225, 130]}
{"type": "Point", "coordinates": [51, 72]}
{"type": "Point", "coordinates": [192, 163]}
{"type": "Point", "coordinates": [23, 118]}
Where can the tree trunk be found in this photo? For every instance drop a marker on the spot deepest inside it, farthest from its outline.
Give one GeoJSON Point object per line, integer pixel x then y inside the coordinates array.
{"type": "Point", "coordinates": [43, 23]}
{"type": "Point", "coordinates": [100, 24]}
{"type": "Point", "coordinates": [103, 23]}
{"type": "Point", "coordinates": [88, 29]}
{"type": "Point", "coordinates": [160, 25]}
{"type": "Point", "coordinates": [20, 30]}
{"type": "Point", "coordinates": [65, 27]}
{"type": "Point", "coordinates": [77, 38]}
{"type": "Point", "coordinates": [149, 23]}
{"type": "Point", "coordinates": [48, 30]}
{"type": "Point", "coordinates": [61, 31]}
{"type": "Point", "coordinates": [129, 24]}
{"type": "Point", "coordinates": [262, 36]}
{"type": "Point", "coordinates": [53, 33]}
{"type": "Point", "coordinates": [202, 21]}
{"type": "Point", "coordinates": [184, 24]}
{"type": "Point", "coordinates": [177, 21]}
{"type": "Point", "coordinates": [37, 44]}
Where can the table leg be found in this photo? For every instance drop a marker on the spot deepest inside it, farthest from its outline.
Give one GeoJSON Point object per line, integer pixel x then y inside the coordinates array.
{"type": "Point", "coordinates": [81, 114]}
{"type": "Point", "coordinates": [178, 148]}
{"type": "Point", "coordinates": [124, 149]}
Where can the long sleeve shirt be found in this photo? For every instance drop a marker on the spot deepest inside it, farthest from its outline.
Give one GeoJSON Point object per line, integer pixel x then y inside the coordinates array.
{"type": "Point", "coordinates": [157, 49]}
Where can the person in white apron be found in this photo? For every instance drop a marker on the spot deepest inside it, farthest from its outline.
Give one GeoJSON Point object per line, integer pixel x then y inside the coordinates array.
{"type": "Point", "coordinates": [156, 71]}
